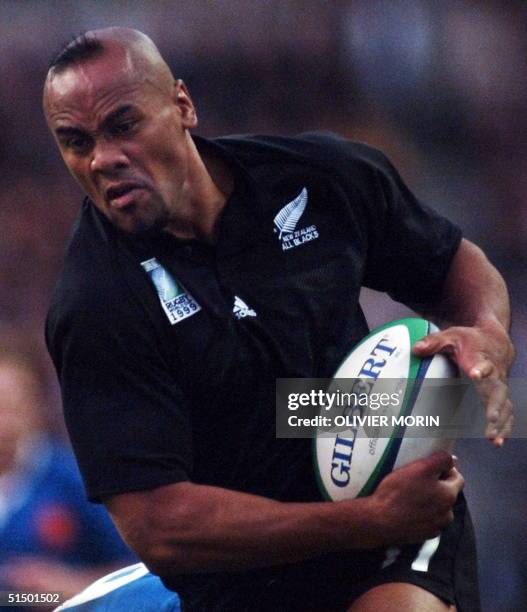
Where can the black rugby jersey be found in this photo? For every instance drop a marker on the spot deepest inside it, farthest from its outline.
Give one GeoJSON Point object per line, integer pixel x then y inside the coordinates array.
{"type": "Point", "coordinates": [167, 350]}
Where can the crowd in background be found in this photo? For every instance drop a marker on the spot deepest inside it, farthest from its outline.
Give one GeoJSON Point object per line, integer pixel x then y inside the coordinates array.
{"type": "Point", "coordinates": [50, 538]}
{"type": "Point", "coordinates": [439, 86]}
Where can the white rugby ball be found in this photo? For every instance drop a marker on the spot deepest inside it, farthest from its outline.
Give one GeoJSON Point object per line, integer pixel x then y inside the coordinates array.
{"type": "Point", "coordinates": [352, 461]}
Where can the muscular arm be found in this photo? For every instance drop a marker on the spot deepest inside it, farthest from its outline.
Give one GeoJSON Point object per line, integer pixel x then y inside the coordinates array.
{"type": "Point", "coordinates": [185, 527]}
{"type": "Point", "coordinates": [474, 309]}
{"type": "Point", "coordinates": [475, 293]}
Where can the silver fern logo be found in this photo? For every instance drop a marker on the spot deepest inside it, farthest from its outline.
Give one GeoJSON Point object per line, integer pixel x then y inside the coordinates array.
{"type": "Point", "coordinates": [241, 310]}
{"type": "Point", "coordinates": [287, 219]}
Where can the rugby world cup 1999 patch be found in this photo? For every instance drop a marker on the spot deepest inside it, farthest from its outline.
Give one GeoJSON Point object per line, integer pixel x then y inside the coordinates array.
{"type": "Point", "coordinates": [176, 302]}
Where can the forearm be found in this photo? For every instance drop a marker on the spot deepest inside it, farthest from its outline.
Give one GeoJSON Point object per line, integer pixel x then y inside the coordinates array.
{"type": "Point", "coordinates": [474, 293]}
{"type": "Point", "coordinates": [475, 314]}
{"type": "Point", "coordinates": [214, 529]}
{"type": "Point", "coordinates": [186, 528]}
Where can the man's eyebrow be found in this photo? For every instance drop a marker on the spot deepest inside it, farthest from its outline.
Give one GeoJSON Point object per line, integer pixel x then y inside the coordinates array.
{"type": "Point", "coordinates": [113, 116]}
{"type": "Point", "coordinates": [117, 114]}
{"type": "Point", "coordinates": [69, 131]}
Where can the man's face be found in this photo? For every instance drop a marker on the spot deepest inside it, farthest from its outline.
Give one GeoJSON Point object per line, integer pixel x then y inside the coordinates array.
{"type": "Point", "coordinates": [122, 137]}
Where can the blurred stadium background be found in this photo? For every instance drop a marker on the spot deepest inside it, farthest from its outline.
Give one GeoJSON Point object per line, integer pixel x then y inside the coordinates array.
{"type": "Point", "coordinates": [440, 86]}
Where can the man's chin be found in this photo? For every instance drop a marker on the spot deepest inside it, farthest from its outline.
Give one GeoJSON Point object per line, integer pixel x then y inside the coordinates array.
{"type": "Point", "coordinates": [140, 227]}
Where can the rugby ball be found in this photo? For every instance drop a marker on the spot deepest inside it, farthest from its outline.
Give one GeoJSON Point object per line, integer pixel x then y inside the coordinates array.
{"type": "Point", "coordinates": [375, 437]}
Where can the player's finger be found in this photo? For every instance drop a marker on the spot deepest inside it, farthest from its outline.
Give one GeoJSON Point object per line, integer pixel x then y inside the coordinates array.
{"type": "Point", "coordinates": [505, 414]}
{"type": "Point", "coordinates": [437, 464]}
{"type": "Point", "coordinates": [506, 432]}
{"type": "Point", "coordinates": [496, 394]}
{"type": "Point", "coordinates": [497, 408]}
{"type": "Point", "coordinates": [482, 369]}
{"type": "Point", "coordinates": [431, 344]}
{"type": "Point", "coordinates": [454, 482]}
{"type": "Point", "coordinates": [485, 389]}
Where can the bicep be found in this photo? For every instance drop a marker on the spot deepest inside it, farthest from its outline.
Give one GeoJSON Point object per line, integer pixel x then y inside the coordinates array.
{"type": "Point", "coordinates": [473, 291]}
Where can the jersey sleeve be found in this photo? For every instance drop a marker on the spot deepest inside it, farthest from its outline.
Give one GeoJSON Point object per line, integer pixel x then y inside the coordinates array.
{"type": "Point", "coordinates": [97, 541]}
{"type": "Point", "coordinates": [126, 417]}
{"type": "Point", "coordinates": [410, 246]}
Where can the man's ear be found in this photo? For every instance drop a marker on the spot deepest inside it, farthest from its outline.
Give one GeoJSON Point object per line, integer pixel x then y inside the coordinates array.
{"type": "Point", "coordinates": [182, 99]}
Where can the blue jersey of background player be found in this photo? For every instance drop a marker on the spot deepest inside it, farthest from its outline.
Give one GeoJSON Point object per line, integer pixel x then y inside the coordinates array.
{"type": "Point", "coordinates": [50, 538]}
{"type": "Point", "coordinates": [132, 588]}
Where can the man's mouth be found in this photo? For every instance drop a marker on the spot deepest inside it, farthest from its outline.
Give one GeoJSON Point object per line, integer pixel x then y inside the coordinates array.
{"type": "Point", "coordinates": [123, 194]}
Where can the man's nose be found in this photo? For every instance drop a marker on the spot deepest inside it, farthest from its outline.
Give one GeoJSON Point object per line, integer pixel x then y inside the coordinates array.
{"type": "Point", "coordinates": [108, 157]}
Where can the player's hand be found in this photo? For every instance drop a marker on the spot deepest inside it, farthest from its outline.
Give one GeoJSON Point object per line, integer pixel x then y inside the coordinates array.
{"type": "Point", "coordinates": [414, 503]}
{"type": "Point", "coordinates": [485, 354]}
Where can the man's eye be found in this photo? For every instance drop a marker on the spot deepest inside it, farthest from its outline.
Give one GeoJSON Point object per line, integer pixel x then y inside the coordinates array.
{"type": "Point", "coordinates": [77, 143]}
{"type": "Point", "coordinates": [122, 128]}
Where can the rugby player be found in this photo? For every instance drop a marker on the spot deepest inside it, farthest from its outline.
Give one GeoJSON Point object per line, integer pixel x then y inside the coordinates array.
{"type": "Point", "coordinates": [199, 272]}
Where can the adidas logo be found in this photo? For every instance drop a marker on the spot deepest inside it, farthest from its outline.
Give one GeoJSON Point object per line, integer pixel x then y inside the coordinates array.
{"type": "Point", "coordinates": [241, 310]}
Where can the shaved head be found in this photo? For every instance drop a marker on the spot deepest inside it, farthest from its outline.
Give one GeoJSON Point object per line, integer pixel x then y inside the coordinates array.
{"type": "Point", "coordinates": [139, 56]}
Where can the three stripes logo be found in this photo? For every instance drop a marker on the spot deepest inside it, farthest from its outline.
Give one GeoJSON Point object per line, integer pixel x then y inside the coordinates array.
{"type": "Point", "coordinates": [287, 219]}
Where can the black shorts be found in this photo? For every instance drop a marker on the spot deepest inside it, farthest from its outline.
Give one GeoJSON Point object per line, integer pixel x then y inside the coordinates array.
{"type": "Point", "coordinates": [445, 566]}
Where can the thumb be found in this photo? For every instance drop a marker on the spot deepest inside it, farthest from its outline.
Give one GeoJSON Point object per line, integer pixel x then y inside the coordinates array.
{"type": "Point", "coordinates": [430, 344]}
